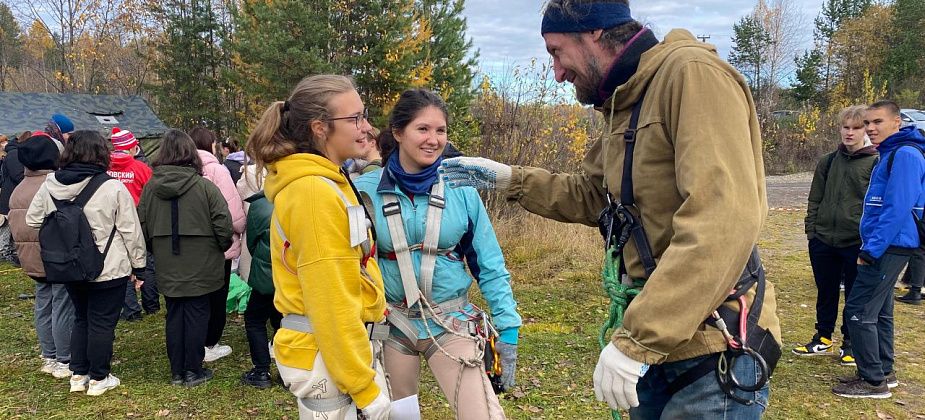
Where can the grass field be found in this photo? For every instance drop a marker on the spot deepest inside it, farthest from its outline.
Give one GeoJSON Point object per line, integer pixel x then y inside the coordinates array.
{"type": "Point", "coordinates": [556, 283]}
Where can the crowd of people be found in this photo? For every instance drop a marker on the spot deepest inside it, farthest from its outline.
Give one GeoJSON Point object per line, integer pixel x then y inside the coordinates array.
{"type": "Point", "coordinates": [361, 246]}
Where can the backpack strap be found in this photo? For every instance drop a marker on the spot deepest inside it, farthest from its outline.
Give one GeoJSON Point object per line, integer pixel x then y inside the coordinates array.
{"type": "Point", "coordinates": [829, 162]}
{"type": "Point", "coordinates": [96, 181]}
{"type": "Point", "coordinates": [889, 160]}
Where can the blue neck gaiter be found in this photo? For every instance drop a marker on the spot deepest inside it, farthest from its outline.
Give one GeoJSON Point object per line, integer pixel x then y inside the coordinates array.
{"type": "Point", "coordinates": [419, 183]}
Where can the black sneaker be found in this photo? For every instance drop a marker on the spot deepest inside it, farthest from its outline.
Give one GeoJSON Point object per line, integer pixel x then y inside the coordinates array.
{"type": "Point", "coordinates": [891, 380]}
{"type": "Point", "coordinates": [257, 379]}
{"type": "Point", "coordinates": [176, 380]}
{"type": "Point", "coordinates": [914, 297]}
{"type": "Point", "coordinates": [862, 389]}
{"type": "Point", "coordinates": [192, 379]}
{"type": "Point", "coordinates": [819, 346]}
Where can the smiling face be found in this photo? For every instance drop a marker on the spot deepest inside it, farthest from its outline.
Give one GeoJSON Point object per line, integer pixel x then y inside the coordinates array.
{"type": "Point", "coordinates": [880, 123]}
{"type": "Point", "coordinates": [577, 60]}
{"type": "Point", "coordinates": [342, 139]}
{"type": "Point", "coordinates": [422, 141]}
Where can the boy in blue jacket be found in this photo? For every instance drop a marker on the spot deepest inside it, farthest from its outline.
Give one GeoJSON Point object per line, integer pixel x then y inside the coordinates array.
{"type": "Point", "coordinates": [889, 236]}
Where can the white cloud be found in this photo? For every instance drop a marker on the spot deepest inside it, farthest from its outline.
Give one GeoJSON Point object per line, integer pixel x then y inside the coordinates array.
{"type": "Point", "coordinates": [507, 32]}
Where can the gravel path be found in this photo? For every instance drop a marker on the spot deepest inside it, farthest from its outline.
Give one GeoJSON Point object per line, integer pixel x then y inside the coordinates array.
{"type": "Point", "coordinates": [789, 192]}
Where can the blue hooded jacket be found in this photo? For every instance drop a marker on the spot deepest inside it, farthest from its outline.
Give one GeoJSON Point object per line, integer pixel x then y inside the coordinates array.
{"type": "Point", "coordinates": [466, 229]}
{"type": "Point", "coordinates": [894, 194]}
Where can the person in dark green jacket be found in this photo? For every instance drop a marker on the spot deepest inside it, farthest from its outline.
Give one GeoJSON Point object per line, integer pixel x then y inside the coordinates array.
{"type": "Point", "coordinates": [187, 226]}
{"type": "Point", "coordinates": [260, 308]}
{"type": "Point", "coordinates": [832, 218]}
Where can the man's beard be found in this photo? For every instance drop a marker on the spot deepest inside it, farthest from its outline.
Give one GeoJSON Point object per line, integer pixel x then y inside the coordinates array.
{"type": "Point", "coordinates": [587, 93]}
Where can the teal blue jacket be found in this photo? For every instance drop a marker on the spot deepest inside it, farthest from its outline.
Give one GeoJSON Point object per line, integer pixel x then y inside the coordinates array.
{"type": "Point", "coordinates": [466, 229]}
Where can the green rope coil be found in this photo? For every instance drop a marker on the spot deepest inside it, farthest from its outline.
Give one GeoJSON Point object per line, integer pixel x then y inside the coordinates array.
{"type": "Point", "coordinates": [620, 297]}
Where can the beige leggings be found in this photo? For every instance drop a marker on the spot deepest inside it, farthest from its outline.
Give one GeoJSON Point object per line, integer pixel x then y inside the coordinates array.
{"type": "Point", "coordinates": [476, 399]}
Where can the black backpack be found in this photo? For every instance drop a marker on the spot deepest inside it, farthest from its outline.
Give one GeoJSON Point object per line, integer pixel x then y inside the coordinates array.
{"type": "Point", "coordinates": [69, 251]}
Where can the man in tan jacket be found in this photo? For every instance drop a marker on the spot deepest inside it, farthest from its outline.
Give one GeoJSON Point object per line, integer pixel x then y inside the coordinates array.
{"type": "Point", "coordinates": [697, 179]}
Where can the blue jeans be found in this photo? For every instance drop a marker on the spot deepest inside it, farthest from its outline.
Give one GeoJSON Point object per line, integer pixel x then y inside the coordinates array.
{"type": "Point", "coordinates": [702, 399]}
{"type": "Point", "coordinates": [869, 309]}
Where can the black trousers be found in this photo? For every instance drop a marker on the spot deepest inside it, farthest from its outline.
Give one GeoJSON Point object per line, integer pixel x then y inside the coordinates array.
{"type": "Point", "coordinates": [830, 266]}
{"type": "Point", "coordinates": [150, 298]}
{"type": "Point", "coordinates": [217, 314]}
{"type": "Point", "coordinates": [260, 309]}
{"type": "Point", "coordinates": [915, 272]}
{"type": "Point", "coordinates": [187, 321]}
{"type": "Point", "coordinates": [96, 313]}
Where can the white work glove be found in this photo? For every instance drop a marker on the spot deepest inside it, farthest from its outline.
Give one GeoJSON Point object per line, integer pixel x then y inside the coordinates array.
{"type": "Point", "coordinates": [378, 409]}
{"type": "Point", "coordinates": [615, 378]}
{"type": "Point", "coordinates": [480, 173]}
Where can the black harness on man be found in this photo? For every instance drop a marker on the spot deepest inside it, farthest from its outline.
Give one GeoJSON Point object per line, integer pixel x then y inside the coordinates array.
{"type": "Point", "coordinates": [620, 222]}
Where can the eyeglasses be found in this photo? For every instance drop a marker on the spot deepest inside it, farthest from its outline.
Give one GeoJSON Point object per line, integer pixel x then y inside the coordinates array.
{"type": "Point", "coordinates": [364, 116]}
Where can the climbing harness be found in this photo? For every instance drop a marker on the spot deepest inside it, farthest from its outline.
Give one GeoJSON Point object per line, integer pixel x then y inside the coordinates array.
{"type": "Point", "coordinates": [618, 223]}
{"type": "Point", "coordinates": [419, 304]}
{"type": "Point", "coordinates": [359, 237]}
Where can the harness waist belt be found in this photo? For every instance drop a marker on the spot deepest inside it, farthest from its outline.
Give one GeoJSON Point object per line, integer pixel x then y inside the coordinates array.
{"type": "Point", "coordinates": [295, 322]}
{"type": "Point", "coordinates": [445, 307]}
{"type": "Point", "coordinates": [326, 404]}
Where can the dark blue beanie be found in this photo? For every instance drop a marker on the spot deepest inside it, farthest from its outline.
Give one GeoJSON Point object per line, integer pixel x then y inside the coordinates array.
{"type": "Point", "coordinates": [591, 16]}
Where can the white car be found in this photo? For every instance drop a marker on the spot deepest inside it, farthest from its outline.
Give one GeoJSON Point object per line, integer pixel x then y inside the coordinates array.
{"type": "Point", "coordinates": [913, 117]}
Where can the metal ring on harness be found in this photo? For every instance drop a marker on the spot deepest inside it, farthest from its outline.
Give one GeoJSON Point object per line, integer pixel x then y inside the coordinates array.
{"type": "Point", "coordinates": [727, 379]}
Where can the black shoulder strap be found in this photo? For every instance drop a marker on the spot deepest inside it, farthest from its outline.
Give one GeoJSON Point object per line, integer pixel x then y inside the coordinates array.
{"type": "Point", "coordinates": [828, 164]}
{"type": "Point", "coordinates": [889, 160]}
{"type": "Point", "coordinates": [95, 182]}
{"type": "Point", "coordinates": [629, 137]}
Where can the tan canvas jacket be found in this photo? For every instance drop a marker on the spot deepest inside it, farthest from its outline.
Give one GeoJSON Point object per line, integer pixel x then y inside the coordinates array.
{"type": "Point", "coordinates": [699, 186]}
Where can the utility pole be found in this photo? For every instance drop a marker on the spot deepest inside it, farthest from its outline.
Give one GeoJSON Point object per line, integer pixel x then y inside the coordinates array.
{"type": "Point", "coordinates": [703, 38]}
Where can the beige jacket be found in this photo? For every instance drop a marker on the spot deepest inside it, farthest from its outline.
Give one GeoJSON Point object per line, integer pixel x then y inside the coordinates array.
{"type": "Point", "coordinates": [699, 186]}
{"type": "Point", "coordinates": [247, 186]}
{"type": "Point", "coordinates": [110, 205]}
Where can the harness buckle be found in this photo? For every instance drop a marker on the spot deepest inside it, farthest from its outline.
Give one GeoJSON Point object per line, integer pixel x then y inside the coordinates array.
{"type": "Point", "coordinates": [437, 201]}
{"type": "Point", "coordinates": [391, 209]}
{"type": "Point", "coordinates": [629, 135]}
{"type": "Point", "coordinates": [377, 331]}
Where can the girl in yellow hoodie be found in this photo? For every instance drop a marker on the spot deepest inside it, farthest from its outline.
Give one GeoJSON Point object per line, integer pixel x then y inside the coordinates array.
{"type": "Point", "coordinates": [328, 287]}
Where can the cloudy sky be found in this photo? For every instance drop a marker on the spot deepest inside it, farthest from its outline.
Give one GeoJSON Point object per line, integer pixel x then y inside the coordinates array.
{"type": "Point", "coordinates": [506, 32]}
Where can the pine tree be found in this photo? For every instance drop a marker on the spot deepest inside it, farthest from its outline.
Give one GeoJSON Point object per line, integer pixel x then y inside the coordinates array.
{"type": "Point", "coordinates": [809, 77]}
{"type": "Point", "coordinates": [748, 54]}
{"type": "Point", "coordinates": [907, 46]}
{"type": "Point", "coordinates": [834, 14]}
{"type": "Point", "coordinates": [278, 43]}
{"type": "Point", "coordinates": [191, 60]}
{"type": "Point", "coordinates": [453, 63]}
{"type": "Point", "coordinates": [10, 44]}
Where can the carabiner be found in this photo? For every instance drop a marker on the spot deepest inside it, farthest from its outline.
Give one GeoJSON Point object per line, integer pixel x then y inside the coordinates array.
{"type": "Point", "coordinates": [727, 379]}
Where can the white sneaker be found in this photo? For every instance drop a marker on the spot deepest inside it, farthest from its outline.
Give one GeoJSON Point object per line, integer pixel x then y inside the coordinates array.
{"type": "Point", "coordinates": [62, 370]}
{"type": "Point", "coordinates": [48, 365]}
{"type": "Point", "coordinates": [270, 345]}
{"type": "Point", "coordinates": [216, 352]}
{"type": "Point", "coordinates": [79, 383]}
{"type": "Point", "coordinates": [100, 387]}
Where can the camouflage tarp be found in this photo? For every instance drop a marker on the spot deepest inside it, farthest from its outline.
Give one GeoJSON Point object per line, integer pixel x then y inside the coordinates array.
{"type": "Point", "coordinates": [31, 111]}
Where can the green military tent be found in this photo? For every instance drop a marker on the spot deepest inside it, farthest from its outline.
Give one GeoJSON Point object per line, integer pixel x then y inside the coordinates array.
{"type": "Point", "coordinates": [31, 111]}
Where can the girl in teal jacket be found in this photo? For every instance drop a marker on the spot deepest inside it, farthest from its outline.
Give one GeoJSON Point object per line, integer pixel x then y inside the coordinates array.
{"type": "Point", "coordinates": [453, 337]}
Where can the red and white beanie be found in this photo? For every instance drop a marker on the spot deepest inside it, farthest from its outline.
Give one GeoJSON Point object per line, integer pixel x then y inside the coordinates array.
{"type": "Point", "coordinates": [123, 139]}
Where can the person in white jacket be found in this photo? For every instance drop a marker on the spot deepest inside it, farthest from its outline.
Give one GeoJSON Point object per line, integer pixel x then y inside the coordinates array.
{"type": "Point", "coordinates": [110, 212]}
{"type": "Point", "coordinates": [214, 171]}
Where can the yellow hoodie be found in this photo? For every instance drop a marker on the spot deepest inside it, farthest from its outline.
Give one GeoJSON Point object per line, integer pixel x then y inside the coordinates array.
{"type": "Point", "coordinates": [328, 287]}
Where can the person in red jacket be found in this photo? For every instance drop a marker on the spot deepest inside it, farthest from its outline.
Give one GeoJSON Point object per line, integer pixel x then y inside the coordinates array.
{"type": "Point", "coordinates": [134, 174]}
